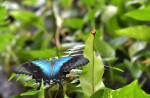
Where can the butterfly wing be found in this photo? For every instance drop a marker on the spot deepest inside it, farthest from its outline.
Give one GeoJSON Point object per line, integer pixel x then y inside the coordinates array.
{"type": "Point", "coordinates": [65, 64]}
{"type": "Point", "coordinates": [59, 63]}
{"type": "Point", "coordinates": [38, 68]}
{"type": "Point", "coordinates": [44, 65]}
{"type": "Point", "coordinates": [74, 62]}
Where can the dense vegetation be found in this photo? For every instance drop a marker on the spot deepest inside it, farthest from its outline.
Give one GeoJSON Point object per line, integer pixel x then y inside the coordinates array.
{"type": "Point", "coordinates": [119, 52]}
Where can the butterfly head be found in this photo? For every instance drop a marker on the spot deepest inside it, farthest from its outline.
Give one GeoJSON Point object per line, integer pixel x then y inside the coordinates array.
{"type": "Point", "coordinates": [53, 60]}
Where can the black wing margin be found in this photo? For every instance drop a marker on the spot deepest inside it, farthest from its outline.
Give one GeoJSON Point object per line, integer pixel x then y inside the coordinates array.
{"type": "Point", "coordinates": [29, 68]}
{"type": "Point", "coordinates": [75, 61]}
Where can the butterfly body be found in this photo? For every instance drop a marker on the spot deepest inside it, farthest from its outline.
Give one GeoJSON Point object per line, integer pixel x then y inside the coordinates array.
{"type": "Point", "coordinates": [53, 70]}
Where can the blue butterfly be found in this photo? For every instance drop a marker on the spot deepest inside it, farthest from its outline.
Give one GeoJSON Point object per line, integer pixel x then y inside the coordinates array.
{"type": "Point", "coordinates": [51, 71]}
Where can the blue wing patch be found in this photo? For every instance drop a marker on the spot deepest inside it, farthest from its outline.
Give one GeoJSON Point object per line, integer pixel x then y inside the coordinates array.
{"type": "Point", "coordinates": [45, 66]}
{"type": "Point", "coordinates": [59, 63]}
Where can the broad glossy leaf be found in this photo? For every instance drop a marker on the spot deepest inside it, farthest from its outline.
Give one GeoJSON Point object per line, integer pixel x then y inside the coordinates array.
{"type": "Point", "coordinates": [118, 42]}
{"type": "Point", "coordinates": [5, 39]}
{"type": "Point", "coordinates": [66, 3]}
{"type": "Point", "coordinates": [36, 3]}
{"type": "Point", "coordinates": [109, 12]}
{"type": "Point", "coordinates": [39, 92]}
{"type": "Point", "coordinates": [92, 14]}
{"type": "Point", "coordinates": [137, 32]}
{"type": "Point", "coordinates": [135, 71]}
{"type": "Point", "coordinates": [113, 25]}
{"type": "Point", "coordinates": [3, 12]}
{"type": "Point", "coordinates": [130, 91]}
{"type": "Point", "coordinates": [75, 23]}
{"type": "Point", "coordinates": [136, 47]}
{"type": "Point", "coordinates": [89, 2]}
{"type": "Point", "coordinates": [34, 54]}
{"type": "Point", "coordinates": [91, 76]}
{"type": "Point", "coordinates": [27, 17]}
{"type": "Point", "coordinates": [140, 14]}
{"type": "Point", "coordinates": [105, 49]}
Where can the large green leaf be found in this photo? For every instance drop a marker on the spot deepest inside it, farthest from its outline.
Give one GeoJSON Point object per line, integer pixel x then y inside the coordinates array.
{"type": "Point", "coordinates": [140, 14]}
{"type": "Point", "coordinates": [130, 91]}
{"type": "Point", "coordinates": [138, 32]}
{"type": "Point", "coordinates": [136, 47]}
{"type": "Point", "coordinates": [92, 14]}
{"type": "Point", "coordinates": [105, 49]}
{"type": "Point", "coordinates": [75, 23]}
{"type": "Point", "coordinates": [5, 40]}
{"type": "Point", "coordinates": [89, 2]}
{"type": "Point", "coordinates": [3, 13]}
{"type": "Point", "coordinates": [66, 3]}
{"type": "Point", "coordinates": [91, 77]}
{"type": "Point", "coordinates": [3, 19]}
{"type": "Point", "coordinates": [27, 17]}
{"type": "Point", "coordinates": [135, 71]}
{"type": "Point", "coordinates": [39, 92]}
{"type": "Point", "coordinates": [37, 54]}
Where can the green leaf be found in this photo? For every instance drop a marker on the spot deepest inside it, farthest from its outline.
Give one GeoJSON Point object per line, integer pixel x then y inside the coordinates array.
{"type": "Point", "coordinates": [12, 76]}
{"type": "Point", "coordinates": [89, 2]}
{"type": "Point", "coordinates": [66, 3]}
{"type": "Point", "coordinates": [21, 76]}
{"type": "Point", "coordinates": [30, 83]}
{"type": "Point", "coordinates": [115, 68]}
{"type": "Point", "coordinates": [30, 2]}
{"type": "Point", "coordinates": [109, 12]}
{"type": "Point", "coordinates": [130, 91]}
{"type": "Point", "coordinates": [3, 12]}
{"type": "Point", "coordinates": [44, 54]}
{"type": "Point", "coordinates": [34, 54]}
{"type": "Point", "coordinates": [104, 48]}
{"type": "Point", "coordinates": [5, 39]}
{"type": "Point", "coordinates": [137, 32]}
{"type": "Point", "coordinates": [29, 93]}
{"type": "Point", "coordinates": [92, 14]}
{"type": "Point", "coordinates": [135, 71]}
{"type": "Point", "coordinates": [75, 23]}
{"type": "Point", "coordinates": [118, 42]}
{"type": "Point", "coordinates": [113, 25]}
{"type": "Point", "coordinates": [3, 23]}
{"type": "Point", "coordinates": [27, 17]}
{"type": "Point", "coordinates": [91, 76]}
{"type": "Point", "coordinates": [140, 14]}
{"type": "Point", "coordinates": [136, 47]}
{"type": "Point", "coordinates": [41, 92]}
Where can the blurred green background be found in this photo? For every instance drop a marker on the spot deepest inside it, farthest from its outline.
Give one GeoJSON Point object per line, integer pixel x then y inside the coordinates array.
{"type": "Point", "coordinates": [35, 29]}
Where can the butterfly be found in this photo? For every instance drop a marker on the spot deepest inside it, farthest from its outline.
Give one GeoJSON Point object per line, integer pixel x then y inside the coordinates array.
{"type": "Point", "coordinates": [52, 71]}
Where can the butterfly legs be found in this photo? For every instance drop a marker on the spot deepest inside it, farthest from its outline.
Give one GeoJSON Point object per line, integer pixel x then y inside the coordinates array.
{"type": "Point", "coordinates": [60, 86]}
{"type": "Point", "coordinates": [40, 83]}
{"type": "Point", "coordinates": [38, 80]}
{"type": "Point", "coordinates": [59, 81]}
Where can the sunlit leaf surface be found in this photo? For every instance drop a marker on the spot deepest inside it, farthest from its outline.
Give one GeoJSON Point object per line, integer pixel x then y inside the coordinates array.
{"type": "Point", "coordinates": [91, 77]}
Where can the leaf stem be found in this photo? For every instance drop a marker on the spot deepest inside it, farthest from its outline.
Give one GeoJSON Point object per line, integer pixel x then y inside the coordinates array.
{"type": "Point", "coordinates": [93, 33]}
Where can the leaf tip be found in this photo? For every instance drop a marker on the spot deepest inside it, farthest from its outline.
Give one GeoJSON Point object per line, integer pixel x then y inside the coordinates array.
{"type": "Point", "coordinates": [93, 32]}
